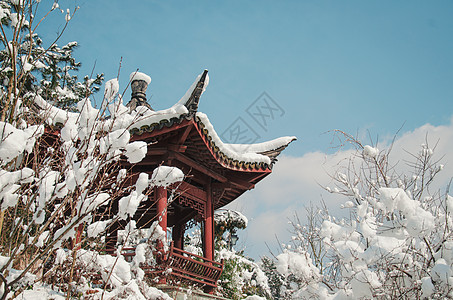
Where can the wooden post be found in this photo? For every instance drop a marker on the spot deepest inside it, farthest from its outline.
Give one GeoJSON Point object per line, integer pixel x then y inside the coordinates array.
{"type": "Point", "coordinates": [161, 195]}
{"type": "Point", "coordinates": [162, 208]}
{"type": "Point", "coordinates": [178, 236]}
{"type": "Point", "coordinates": [208, 250]}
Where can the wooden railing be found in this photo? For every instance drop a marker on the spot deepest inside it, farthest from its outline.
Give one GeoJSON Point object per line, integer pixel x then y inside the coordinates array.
{"type": "Point", "coordinates": [183, 265]}
{"type": "Point", "coordinates": [189, 266]}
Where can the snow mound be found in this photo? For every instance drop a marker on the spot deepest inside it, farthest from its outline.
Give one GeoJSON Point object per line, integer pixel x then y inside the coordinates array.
{"type": "Point", "coordinates": [140, 76]}
{"type": "Point", "coordinates": [164, 176]}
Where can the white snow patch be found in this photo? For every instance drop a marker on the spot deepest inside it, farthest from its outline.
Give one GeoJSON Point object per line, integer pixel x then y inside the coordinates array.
{"type": "Point", "coordinates": [370, 151]}
{"type": "Point", "coordinates": [164, 176]}
{"type": "Point", "coordinates": [93, 230]}
{"type": "Point", "coordinates": [140, 76]}
{"type": "Point", "coordinates": [136, 151]}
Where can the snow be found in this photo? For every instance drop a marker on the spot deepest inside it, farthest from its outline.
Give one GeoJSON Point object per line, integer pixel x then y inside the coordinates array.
{"type": "Point", "coordinates": [247, 153]}
{"type": "Point", "coordinates": [55, 6]}
{"type": "Point", "coordinates": [231, 216]}
{"type": "Point", "coordinates": [14, 19]}
{"type": "Point", "coordinates": [111, 89]}
{"type": "Point", "coordinates": [363, 284]}
{"type": "Point", "coordinates": [14, 141]}
{"type": "Point", "coordinates": [144, 116]}
{"type": "Point", "coordinates": [136, 151]}
{"type": "Point", "coordinates": [142, 183]}
{"type": "Point", "coordinates": [3, 260]}
{"type": "Point", "coordinates": [70, 131]}
{"type": "Point", "coordinates": [262, 147]}
{"type": "Point", "coordinates": [25, 64]}
{"type": "Point", "coordinates": [128, 205]}
{"type": "Point", "coordinates": [9, 185]}
{"type": "Point", "coordinates": [40, 292]}
{"type": "Point", "coordinates": [441, 271]}
{"type": "Point", "coordinates": [42, 238]}
{"type": "Point", "coordinates": [4, 12]}
{"type": "Point", "coordinates": [189, 92]}
{"type": "Point", "coordinates": [427, 287]}
{"type": "Point", "coordinates": [164, 176]}
{"type": "Point", "coordinates": [60, 256]}
{"type": "Point", "coordinates": [93, 202]}
{"type": "Point", "coordinates": [140, 76]}
{"type": "Point", "coordinates": [94, 229]}
{"type": "Point", "coordinates": [370, 151]}
{"type": "Point", "coordinates": [419, 221]}
{"type": "Point", "coordinates": [51, 113]}
{"type": "Point", "coordinates": [115, 140]}
{"type": "Point", "coordinates": [298, 264]}
{"type": "Point", "coordinates": [254, 297]}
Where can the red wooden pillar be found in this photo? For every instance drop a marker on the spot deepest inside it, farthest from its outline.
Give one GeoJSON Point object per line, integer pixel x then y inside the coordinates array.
{"type": "Point", "coordinates": [208, 250]}
{"type": "Point", "coordinates": [178, 236]}
{"type": "Point", "coordinates": [161, 196]}
{"type": "Point", "coordinates": [162, 208]}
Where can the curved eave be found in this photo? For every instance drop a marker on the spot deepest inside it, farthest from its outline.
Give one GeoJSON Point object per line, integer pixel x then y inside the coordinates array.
{"type": "Point", "coordinates": [166, 125]}
{"type": "Point", "coordinates": [223, 159]}
{"type": "Point", "coordinates": [155, 129]}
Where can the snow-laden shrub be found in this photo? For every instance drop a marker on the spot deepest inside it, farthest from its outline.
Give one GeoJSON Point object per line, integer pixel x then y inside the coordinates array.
{"type": "Point", "coordinates": [241, 276]}
{"type": "Point", "coordinates": [60, 171]}
{"type": "Point", "coordinates": [54, 177]}
{"type": "Point", "coordinates": [397, 242]}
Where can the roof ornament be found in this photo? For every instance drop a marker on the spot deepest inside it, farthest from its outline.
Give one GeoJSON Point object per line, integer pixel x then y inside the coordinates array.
{"type": "Point", "coordinates": [192, 103]}
{"type": "Point", "coordinates": [139, 84]}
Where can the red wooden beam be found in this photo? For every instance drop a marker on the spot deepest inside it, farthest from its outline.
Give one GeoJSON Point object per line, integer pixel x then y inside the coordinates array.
{"type": "Point", "coordinates": [243, 184]}
{"type": "Point", "coordinates": [185, 134]}
{"type": "Point", "coordinates": [163, 130]}
{"type": "Point", "coordinates": [177, 148]}
{"type": "Point", "coordinates": [188, 189]}
{"type": "Point", "coordinates": [193, 164]}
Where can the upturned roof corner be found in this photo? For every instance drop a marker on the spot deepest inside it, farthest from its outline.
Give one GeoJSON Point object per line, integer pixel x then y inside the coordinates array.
{"type": "Point", "coordinates": [192, 103]}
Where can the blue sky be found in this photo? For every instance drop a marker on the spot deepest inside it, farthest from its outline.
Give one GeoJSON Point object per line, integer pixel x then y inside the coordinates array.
{"type": "Point", "coordinates": [358, 66]}
{"type": "Point", "coordinates": [351, 65]}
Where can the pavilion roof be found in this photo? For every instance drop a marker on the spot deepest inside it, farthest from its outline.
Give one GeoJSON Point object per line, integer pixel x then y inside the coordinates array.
{"type": "Point", "coordinates": [259, 156]}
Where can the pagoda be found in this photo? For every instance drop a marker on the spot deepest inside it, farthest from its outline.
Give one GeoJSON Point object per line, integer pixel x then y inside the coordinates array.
{"type": "Point", "coordinates": [216, 174]}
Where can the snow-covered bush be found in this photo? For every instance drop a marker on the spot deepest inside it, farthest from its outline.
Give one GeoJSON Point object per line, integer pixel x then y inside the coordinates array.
{"type": "Point", "coordinates": [60, 171]}
{"type": "Point", "coordinates": [396, 243]}
{"type": "Point", "coordinates": [226, 224]}
{"type": "Point", "coordinates": [241, 276]}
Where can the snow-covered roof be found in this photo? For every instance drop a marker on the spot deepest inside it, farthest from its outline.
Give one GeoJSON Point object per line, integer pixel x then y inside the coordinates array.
{"type": "Point", "coordinates": [142, 119]}
{"type": "Point", "coordinates": [236, 156]}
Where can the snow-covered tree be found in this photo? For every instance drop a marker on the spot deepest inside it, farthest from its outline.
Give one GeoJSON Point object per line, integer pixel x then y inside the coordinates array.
{"type": "Point", "coordinates": [29, 64]}
{"type": "Point", "coordinates": [60, 170]}
{"type": "Point", "coordinates": [396, 243]}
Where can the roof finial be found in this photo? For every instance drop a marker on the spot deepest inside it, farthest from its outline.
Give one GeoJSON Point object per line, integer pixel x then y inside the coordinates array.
{"type": "Point", "coordinates": [139, 84]}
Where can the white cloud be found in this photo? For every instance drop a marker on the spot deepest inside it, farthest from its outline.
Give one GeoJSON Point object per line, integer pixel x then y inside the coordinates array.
{"type": "Point", "coordinates": [295, 182]}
